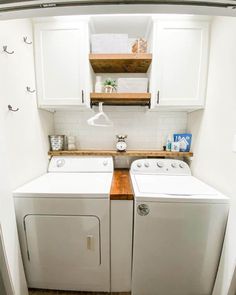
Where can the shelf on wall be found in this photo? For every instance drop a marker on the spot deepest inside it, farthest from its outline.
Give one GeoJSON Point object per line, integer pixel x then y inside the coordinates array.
{"type": "Point", "coordinates": [120, 63]}
{"type": "Point", "coordinates": [119, 99]}
{"type": "Point", "coordinates": [128, 153]}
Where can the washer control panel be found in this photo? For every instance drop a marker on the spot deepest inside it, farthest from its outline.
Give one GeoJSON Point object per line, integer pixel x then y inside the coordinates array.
{"type": "Point", "coordinates": [160, 166]}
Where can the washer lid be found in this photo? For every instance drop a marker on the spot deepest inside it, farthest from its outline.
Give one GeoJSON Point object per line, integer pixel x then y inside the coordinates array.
{"type": "Point", "coordinates": [70, 185]}
{"type": "Point", "coordinates": [187, 188]}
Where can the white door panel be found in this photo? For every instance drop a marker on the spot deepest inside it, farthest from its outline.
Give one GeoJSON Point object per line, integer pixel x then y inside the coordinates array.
{"type": "Point", "coordinates": [63, 240]}
{"type": "Point", "coordinates": [68, 242]}
{"type": "Point", "coordinates": [61, 74]}
{"type": "Point", "coordinates": [61, 57]}
{"type": "Point", "coordinates": [181, 73]}
{"type": "Point", "coordinates": [179, 70]}
{"type": "Point", "coordinates": [177, 247]}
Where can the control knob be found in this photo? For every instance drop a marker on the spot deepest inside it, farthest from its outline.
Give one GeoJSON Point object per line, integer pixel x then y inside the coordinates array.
{"type": "Point", "coordinates": [105, 162]}
{"type": "Point", "coordinates": [181, 165]}
{"type": "Point", "coordinates": [160, 164]}
{"type": "Point", "coordinates": [139, 165]}
{"type": "Point", "coordinates": [60, 163]}
{"type": "Point", "coordinates": [146, 164]}
{"type": "Point", "coordinates": [174, 165]}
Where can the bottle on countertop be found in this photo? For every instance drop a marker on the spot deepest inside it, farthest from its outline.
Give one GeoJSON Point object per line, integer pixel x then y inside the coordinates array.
{"type": "Point", "coordinates": [98, 84]}
{"type": "Point", "coordinates": [71, 143]}
{"type": "Point", "coordinates": [168, 143]}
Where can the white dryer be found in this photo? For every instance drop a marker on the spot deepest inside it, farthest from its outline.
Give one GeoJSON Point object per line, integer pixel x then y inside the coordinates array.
{"type": "Point", "coordinates": [63, 224]}
{"type": "Point", "coordinates": [179, 228]}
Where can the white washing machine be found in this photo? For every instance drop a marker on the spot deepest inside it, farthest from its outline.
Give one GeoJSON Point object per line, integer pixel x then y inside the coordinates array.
{"type": "Point", "coordinates": [179, 228]}
{"type": "Point", "coordinates": [63, 223]}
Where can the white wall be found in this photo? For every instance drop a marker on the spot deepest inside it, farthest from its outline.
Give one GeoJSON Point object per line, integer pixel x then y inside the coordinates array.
{"type": "Point", "coordinates": [23, 135]}
{"type": "Point", "coordinates": [145, 129]}
{"type": "Point", "coordinates": [213, 130]}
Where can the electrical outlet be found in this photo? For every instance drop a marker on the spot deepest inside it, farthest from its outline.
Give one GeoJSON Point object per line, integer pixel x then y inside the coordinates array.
{"type": "Point", "coordinates": [234, 144]}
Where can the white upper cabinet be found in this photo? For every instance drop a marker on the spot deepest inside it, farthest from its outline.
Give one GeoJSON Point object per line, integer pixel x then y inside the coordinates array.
{"type": "Point", "coordinates": [62, 69]}
{"type": "Point", "coordinates": [180, 63]}
{"type": "Point", "coordinates": [177, 75]}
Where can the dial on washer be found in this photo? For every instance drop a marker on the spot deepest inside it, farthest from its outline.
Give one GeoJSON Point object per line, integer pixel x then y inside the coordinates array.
{"type": "Point", "coordinates": [160, 164]}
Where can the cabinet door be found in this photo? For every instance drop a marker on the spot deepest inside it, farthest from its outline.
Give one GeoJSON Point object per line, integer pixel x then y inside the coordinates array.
{"type": "Point", "coordinates": [180, 63]}
{"type": "Point", "coordinates": [60, 55]}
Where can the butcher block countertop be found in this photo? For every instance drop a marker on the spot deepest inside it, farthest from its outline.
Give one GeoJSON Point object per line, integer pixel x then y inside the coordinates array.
{"type": "Point", "coordinates": [128, 153]}
{"type": "Point", "coordinates": [121, 188]}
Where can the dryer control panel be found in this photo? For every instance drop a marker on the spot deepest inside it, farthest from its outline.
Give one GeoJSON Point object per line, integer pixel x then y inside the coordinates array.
{"type": "Point", "coordinates": [81, 164]}
{"type": "Point", "coordinates": [160, 167]}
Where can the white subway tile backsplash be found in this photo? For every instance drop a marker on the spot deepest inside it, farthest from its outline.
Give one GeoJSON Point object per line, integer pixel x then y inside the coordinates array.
{"type": "Point", "coordinates": [145, 129]}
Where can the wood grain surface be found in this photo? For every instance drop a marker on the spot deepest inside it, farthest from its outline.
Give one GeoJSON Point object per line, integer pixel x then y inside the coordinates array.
{"type": "Point", "coordinates": [128, 153]}
{"type": "Point", "coordinates": [121, 188]}
{"type": "Point", "coordinates": [55, 292]}
{"type": "Point", "coordinates": [120, 63]}
{"type": "Point", "coordinates": [121, 98]}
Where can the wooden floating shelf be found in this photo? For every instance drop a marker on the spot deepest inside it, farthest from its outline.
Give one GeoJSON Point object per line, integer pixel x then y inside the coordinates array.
{"type": "Point", "coordinates": [120, 63]}
{"type": "Point", "coordinates": [142, 99]}
{"type": "Point", "coordinates": [128, 153]}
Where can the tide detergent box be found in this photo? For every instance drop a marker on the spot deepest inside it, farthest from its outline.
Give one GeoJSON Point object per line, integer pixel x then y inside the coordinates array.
{"type": "Point", "coordinates": [184, 140]}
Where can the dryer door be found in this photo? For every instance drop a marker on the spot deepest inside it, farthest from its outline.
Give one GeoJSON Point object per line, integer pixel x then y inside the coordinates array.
{"type": "Point", "coordinates": [62, 248]}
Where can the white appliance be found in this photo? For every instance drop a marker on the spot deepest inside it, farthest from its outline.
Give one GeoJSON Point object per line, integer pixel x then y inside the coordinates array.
{"type": "Point", "coordinates": [179, 227]}
{"type": "Point", "coordinates": [63, 223]}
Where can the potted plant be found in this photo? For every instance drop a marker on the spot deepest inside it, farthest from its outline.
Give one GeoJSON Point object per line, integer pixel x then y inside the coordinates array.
{"type": "Point", "coordinates": [109, 85]}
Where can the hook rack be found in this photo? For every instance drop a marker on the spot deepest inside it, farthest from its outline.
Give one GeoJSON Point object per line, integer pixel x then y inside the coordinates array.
{"type": "Point", "coordinates": [29, 89]}
{"type": "Point", "coordinates": [5, 50]}
{"type": "Point", "coordinates": [10, 108]}
{"type": "Point", "coordinates": [26, 41]}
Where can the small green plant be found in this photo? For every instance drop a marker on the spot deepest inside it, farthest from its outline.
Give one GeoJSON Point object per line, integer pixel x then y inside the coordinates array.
{"type": "Point", "coordinates": [110, 82]}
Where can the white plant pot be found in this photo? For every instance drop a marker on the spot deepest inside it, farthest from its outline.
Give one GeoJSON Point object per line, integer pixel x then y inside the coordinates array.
{"type": "Point", "coordinates": [108, 89]}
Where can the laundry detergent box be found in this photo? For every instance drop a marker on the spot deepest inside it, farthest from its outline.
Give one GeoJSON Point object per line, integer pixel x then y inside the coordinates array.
{"type": "Point", "coordinates": [184, 140]}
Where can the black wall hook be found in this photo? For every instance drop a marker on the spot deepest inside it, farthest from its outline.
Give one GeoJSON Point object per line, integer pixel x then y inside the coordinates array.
{"type": "Point", "coordinates": [26, 41]}
{"type": "Point", "coordinates": [5, 50]}
{"type": "Point", "coordinates": [10, 108]}
{"type": "Point", "coordinates": [29, 89]}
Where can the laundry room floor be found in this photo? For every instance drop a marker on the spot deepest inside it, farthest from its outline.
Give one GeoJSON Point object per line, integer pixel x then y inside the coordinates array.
{"type": "Point", "coordinates": [52, 292]}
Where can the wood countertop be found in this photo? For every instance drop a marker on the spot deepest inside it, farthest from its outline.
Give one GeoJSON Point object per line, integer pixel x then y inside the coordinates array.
{"type": "Point", "coordinates": [121, 188]}
{"type": "Point", "coordinates": [128, 153]}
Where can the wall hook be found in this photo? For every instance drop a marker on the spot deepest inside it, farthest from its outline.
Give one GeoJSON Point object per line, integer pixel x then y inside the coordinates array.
{"type": "Point", "coordinates": [26, 41]}
{"type": "Point", "coordinates": [5, 50]}
{"type": "Point", "coordinates": [10, 108]}
{"type": "Point", "coordinates": [29, 90]}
